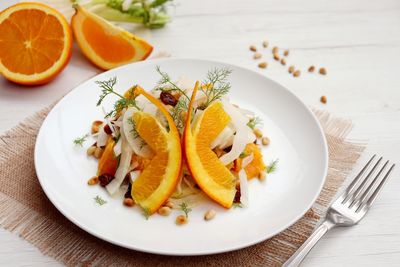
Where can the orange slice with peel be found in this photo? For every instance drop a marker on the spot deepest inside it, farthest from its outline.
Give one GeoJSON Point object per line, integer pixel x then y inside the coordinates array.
{"type": "Point", "coordinates": [35, 43]}
{"type": "Point", "coordinates": [213, 177]}
{"type": "Point", "coordinates": [159, 178]}
{"type": "Point", "coordinates": [104, 44]}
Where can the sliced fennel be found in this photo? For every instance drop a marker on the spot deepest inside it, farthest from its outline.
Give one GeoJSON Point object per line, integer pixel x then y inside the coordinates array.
{"type": "Point", "coordinates": [243, 135]}
{"type": "Point", "coordinates": [123, 168]}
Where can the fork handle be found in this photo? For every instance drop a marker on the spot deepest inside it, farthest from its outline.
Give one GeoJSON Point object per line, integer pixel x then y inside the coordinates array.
{"type": "Point", "coordinates": [302, 252]}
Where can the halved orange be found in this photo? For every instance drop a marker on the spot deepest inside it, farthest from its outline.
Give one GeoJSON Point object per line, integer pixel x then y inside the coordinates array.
{"type": "Point", "coordinates": [104, 44]}
{"type": "Point", "coordinates": [213, 177]}
{"type": "Point", "coordinates": [35, 43]}
{"type": "Point", "coordinates": [159, 178]}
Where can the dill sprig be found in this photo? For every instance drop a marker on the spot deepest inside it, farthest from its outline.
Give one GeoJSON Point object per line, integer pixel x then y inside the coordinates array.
{"type": "Point", "coordinates": [216, 85]}
{"type": "Point", "coordinates": [146, 213]}
{"type": "Point", "coordinates": [272, 166]}
{"type": "Point", "coordinates": [176, 112]}
{"type": "Point", "coordinates": [99, 200]}
{"type": "Point", "coordinates": [185, 208]}
{"type": "Point", "coordinates": [107, 88]}
{"type": "Point", "coordinates": [243, 155]}
{"type": "Point", "coordinates": [134, 132]}
{"type": "Point", "coordinates": [80, 140]}
{"type": "Point", "coordinates": [166, 80]}
{"type": "Point", "coordinates": [253, 123]}
{"type": "Point", "coordinates": [120, 104]}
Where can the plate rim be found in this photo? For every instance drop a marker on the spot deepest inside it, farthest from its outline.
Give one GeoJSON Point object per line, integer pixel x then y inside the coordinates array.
{"type": "Point", "coordinates": [169, 253]}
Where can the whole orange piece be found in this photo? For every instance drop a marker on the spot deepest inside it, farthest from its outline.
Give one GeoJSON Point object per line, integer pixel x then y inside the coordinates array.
{"type": "Point", "coordinates": [35, 43]}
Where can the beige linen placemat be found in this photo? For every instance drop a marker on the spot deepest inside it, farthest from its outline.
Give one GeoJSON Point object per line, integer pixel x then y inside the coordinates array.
{"type": "Point", "coordinates": [24, 209]}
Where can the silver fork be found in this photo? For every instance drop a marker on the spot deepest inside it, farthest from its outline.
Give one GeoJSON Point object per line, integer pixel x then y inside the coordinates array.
{"type": "Point", "coordinates": [349, 208]}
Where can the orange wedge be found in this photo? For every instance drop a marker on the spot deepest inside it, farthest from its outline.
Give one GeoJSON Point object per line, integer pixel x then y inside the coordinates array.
{"type": "Point", "coordinates": [159, 178]}
{"type": "Point", "coordinates": [213, 177]}
{"type": "Point", "coordinates": [35, 43]}
{"type": "Point", "coordinates": [104, 44]}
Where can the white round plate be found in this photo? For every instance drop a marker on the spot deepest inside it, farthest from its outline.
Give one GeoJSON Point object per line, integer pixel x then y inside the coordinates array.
{"type": "Point", "coordinates": [296, 140]}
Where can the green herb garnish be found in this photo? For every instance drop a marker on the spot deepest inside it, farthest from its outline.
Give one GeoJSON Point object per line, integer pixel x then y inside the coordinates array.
{"type": "Point", "coordinates": [134, 132]}
{"type": "Point", "coordinates": [146, 213]}
{"type": "Point", "coordinates": [99, 200]}
{"type": "Point", "coordinates": [166, 81]}
{"type": "Point", "coordinates": [272, 166]}
{"type": "Point", "coordinates": [237, 205]}
{"type": "Point", "coordinates": [80, 140]}
{"type": "Point", "coordinates": [216, 85]}
{"type": "Point", "coordinates": [176, 113]}
{"type": "Point", "coordinates": [243, 155]}
{"type": "Point", "coordinates": [185, 208]}
{"type": "Point", "coordinates": [253, 123]}
{"type": "Point", "coordinates": [107, 88]}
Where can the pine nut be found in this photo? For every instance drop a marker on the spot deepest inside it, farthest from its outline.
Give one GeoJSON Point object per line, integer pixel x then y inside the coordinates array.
{"type": "Point", "coordinates": [95, 126]}
{"type": "Point", "coordinates": [283, 61]}
{"type": "Point", "coordinates": [258, 133]}
{"type": "Point", "coordinates": [311, 69]}
{"type": "Point", "coordinates": [265, 141]}
{"type": "Point", "coordinates": [265, 44]}
{"type": "Point", "coordinates": [276, 56]}
{"type": "Point", "coordinates": [98, 152]}
{"type": "Point", "coordinates": [323, 99]}
{"type": "Point", "coordinates": [291, 69]}
{"type": "Point", "coordinates": [274, 50]}
{"type": "Point", "coordinates": [169, 204]}
{"type": "Point", "coordinates": [296, 73]}
{"type": "Point", "coordinates": [181, 219]}
{"type": "Point", "coordinates": [257, 55]}
{"type": "Point", "coordinates": [253, 48]}
{"type": "Point", "coordinates": [128, 202]}
{"type": "Point", "coordinates": [262, 65]}
{"type": "Point", "coordinates": [164, 211]}
{"type": "Point", "coordinates": [209, 215]}
{"type": "Point", "coordinates": [94, 180]}
{"type": "Point", "coordinates": [322, 71]}
{"type": "Point", "coordinates": [286, 53]}
{"type": "Point", "coordinates": [91, 150]}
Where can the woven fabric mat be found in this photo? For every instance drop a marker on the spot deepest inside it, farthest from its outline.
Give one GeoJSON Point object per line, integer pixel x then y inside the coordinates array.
{"type": "Point", "coordinates": [25, 209]}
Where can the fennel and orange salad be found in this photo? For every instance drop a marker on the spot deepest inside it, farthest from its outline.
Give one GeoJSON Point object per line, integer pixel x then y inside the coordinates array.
{"type": "Point", "coordinates": [177, 145]}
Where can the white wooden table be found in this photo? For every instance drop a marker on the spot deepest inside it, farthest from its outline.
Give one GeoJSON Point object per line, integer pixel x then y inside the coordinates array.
{"type": "Point", "coordinates": [357, 41]}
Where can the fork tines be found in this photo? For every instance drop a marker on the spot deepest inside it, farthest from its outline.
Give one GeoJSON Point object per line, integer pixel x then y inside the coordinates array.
{"type": "Point", "coordinates": [363, 190]}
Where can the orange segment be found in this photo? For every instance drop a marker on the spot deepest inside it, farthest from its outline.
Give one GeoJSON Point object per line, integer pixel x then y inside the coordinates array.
{"type": "Point", "coordinates": [159, 178]}
{"type": "Point", "coordinates": [104, 44]}
{"type": "Point", "coordinates": [108, 163]}
{"type": "Point", "coordinates": [35, 43]}
{"type": "Point", "coordinates": [213, 177]}
{"type": "Point", "coordinates": [256, 166]}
